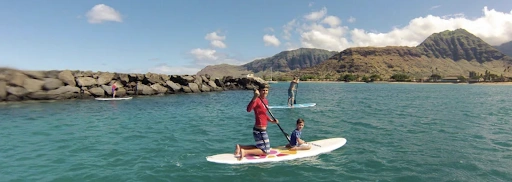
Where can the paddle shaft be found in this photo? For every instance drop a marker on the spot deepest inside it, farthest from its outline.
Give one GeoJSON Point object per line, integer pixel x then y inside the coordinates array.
{"type": "Point", "coordinates": [296, 91]}
{"type": "Point", "coordinates": [285, 134]}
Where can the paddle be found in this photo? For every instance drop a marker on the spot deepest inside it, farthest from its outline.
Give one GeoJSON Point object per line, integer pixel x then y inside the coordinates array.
{"type": "Point", "coordinates": [296, 91]}
{"type": "Point", "coordinates": [285, 134]}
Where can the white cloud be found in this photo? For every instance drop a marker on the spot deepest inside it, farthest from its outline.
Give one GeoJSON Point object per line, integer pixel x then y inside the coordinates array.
{"type": "Point", "coordinates": [351, 19]}
{"type": "Point", "coordinates": [269, 29]}
{"type": "Point", "coordinates": [435, 7]}
{"type": "Point", "coordinates": [311, 4]}
{"type": "Point", "coordinates": [214, 36]}
{"type": "Point", "coordinates": [333, 21]}
{"type": "Point", "coordinates": [287, 28]}
{"type": "Point", "coordinates": [271, 40]}
{"type": "Point", "coordinates": [210, 56]}
{"type": "Point", "coordinates": [102, 13]}
{"type": "Point", "coordinates": [493, 27]}
{"type": "Point", "coordinates": [204, 54]}
{"type": "Point", "coordinates": [316, 15]}
{"type": "Point", "coordinates": [216, 40]}
{"type": "Point", "coordinates": [205, 57]}
{"type": "Point", "coordinates": [218, 44]}
{"type": "Point", "coordinates": [174, 70]}
{"type": "Point", "coordinates": [290, 46]}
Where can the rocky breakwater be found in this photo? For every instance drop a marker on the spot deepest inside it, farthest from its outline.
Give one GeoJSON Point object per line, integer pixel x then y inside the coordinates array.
{"type": "Point", "coordinates": [19, 85]}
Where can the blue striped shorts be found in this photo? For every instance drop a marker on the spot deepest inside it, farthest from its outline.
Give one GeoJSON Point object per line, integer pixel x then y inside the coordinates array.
{"type": "Point", "coordinates": [261, 139]}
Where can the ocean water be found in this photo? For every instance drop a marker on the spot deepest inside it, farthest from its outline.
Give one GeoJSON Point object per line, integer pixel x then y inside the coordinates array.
{"type": "Point", "coordinates": [394, 132]}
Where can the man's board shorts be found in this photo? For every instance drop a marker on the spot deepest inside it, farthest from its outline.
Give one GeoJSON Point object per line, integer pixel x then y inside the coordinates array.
{"type": "Point", "coordinates": [261, 139]}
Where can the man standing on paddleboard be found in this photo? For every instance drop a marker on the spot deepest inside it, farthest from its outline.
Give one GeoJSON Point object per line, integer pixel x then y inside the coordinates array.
{"type": "Point", "coordinates": [259, 130]}
{"type": "Point", "coordinates": [114, 87]}
{"type": "Point", "coordinates": [291, 91]}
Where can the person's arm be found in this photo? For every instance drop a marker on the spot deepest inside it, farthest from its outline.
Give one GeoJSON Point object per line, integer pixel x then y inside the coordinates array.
{"type": "Point", "coordinates": [254, 101]}
{"type": "Point", "coordinates": [252, 104]}
{"type": "Point", "coordinates": [272, 120]}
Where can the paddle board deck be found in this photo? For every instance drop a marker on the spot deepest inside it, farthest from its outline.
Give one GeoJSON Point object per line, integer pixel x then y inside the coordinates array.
{"type": "Point", "coordinates": [281, 153]}
{"type": "Point", "coordinates": [117, 98]}
{"type": "Point", "coordinates": [294, 106]}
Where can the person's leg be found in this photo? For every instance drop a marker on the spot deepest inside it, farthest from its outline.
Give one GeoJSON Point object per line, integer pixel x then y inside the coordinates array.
{"type": "Point", "coordinates": [239, 148]}
{"type": "Point", "coordinates": [262, 141]}
{"type": "Point", "coordinates": [290, 96]}
{"type": "Point", "coordinates": [304, 147]}
{"type": "Point", "coordinates": [262, 144]}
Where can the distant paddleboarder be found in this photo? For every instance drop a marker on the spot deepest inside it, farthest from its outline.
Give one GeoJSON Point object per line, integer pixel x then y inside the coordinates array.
{"type": "Point", "coordinates": [292, 91]}
{"type": "Point", "coordinates": [114, 87]}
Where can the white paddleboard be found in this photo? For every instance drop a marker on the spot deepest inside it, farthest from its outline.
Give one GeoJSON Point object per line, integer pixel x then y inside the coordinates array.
{"type": "Point", "coordinates": [117, 98]}
{"type": "Point", "coordinates": [294, 106]}
{"type": "Point", "coordinates": [281, 153]}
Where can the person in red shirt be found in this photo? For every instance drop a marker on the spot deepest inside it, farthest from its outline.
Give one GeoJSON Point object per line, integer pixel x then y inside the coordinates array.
{"type": "Point", "coordinates": [114, 87]}
{"type": "Point", "coordinates": [259, 130]}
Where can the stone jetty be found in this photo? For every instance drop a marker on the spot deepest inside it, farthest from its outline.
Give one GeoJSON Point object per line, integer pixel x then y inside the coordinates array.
{"type": "Point", "coordinates": [20, 85]}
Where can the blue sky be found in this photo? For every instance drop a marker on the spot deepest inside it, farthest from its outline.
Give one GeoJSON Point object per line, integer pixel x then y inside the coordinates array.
{"type": "Point", "coordinates": [182, 37]}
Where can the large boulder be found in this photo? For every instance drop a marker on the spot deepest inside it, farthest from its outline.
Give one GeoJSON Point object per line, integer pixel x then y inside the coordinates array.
{"type": "Point", "coordinates": [35, 74]}
{"type": "Point", "coordinates": [212, 84]}
{"type": "Point", "coordinates": [52, 74]}
{"type": "Point", "coordinates": [204, 78]}
{"type": "Point", "coordinates": [186, 89]}
{"type": "Point", "coordinates": [64, 90]}
{"type": "Point", "coordinates": [198, 80]}
{"type": "Point", "coordinates": [123, 78]}
{"type": "Point", "coordinates": [16, 78]}
{"type": "Point", "coordinates": [39, 95]}
{"type": "Point", "coordinates": [219, 83]}
{"type": "Point", "coordinates": [33, 85]}
{"type": "Point", "coordinates": [147, 90]}
{"type": "Point", "coordinates": [17, 91]}
{"type": "Point", "coordinates": [86, 81]}
{"type": "Point", "coordinates": [194, 87]}
{"type": "Point", "coordinates": [165, 77]}
{"type": "Point", "coordinates": [205, 88]}
{"type": "Point", "coordinates": [105, 78]}
{"type": "Point", "coordinates": [154, 78]}
{"type": "Point", "coordinates": [52, 83]}
{"type": "Point", "coordinates": [3, 90]}
{"type": "Point", "coordinates": [107, 89]}
{"type": "Point", "coordinates": [175, 87]}
{"type": "Point", "coordinates": [159, 88]}
{"type": "Point", "coordinates": [67, 77]}
{"type": "Point", "coordinates": [121, 92]}
{"type": "Point", "coordinates": [135, 77]}
{"type": "Point", "coordinates": [96, 91]}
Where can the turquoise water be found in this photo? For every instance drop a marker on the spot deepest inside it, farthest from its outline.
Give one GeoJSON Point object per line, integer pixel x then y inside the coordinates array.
{"type": "Point", "coordinates": [395, 132]}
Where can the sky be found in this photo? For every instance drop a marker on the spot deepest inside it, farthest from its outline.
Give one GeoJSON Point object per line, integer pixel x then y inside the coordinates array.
{"type": "Point", "coordinates": [183, 37]}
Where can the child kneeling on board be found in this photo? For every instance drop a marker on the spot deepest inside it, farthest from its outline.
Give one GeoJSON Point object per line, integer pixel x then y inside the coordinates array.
{"type": "Point", "coordinates": [295, 142]}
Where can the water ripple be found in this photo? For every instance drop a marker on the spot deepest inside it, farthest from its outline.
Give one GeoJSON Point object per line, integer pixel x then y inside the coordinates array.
{"type": "Point", "coordinates": [395, 132]}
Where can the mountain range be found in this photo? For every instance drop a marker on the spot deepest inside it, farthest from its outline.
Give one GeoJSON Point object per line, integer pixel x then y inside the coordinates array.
{"type": "Point", "coordinates": [448, 53]}
{"type": "Point", "coordinates": [505, 48]}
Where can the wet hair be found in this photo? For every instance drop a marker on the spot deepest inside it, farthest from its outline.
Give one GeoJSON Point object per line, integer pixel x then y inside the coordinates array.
{"type": "Point", "coordinates": [263, 86]}
{"type": "Point", "coordinates": [300, 120]}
